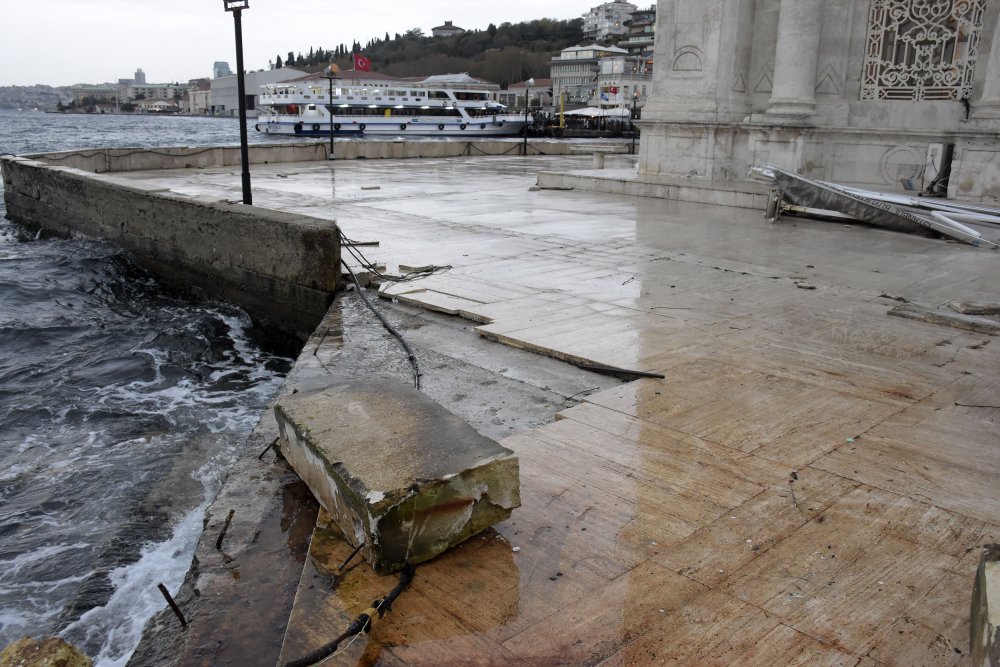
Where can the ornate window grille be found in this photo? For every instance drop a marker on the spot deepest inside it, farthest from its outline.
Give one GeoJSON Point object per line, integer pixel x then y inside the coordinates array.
{"type": "Point", "coordinates": [921, 49]}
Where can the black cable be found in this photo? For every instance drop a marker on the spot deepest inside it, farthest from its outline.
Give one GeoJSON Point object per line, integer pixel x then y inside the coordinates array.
{"type": "Point", "coordinates": [362, 623]}
{"type": "Point", "coordinates": [372, 268]}
{"type": "Point", "coordinates": [406, 346]}
{"type": "Point", "coordinates": [350, 558]}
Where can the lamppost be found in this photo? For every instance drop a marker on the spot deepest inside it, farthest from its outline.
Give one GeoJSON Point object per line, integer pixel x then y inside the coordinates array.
{"type": "Point", "coordinates": [237, 7]}
{"type": "Point", "coordinates": [527, 97]}
{"type": "Point", "coordinates": [331, 72]}
{"type": "Point", "coordinates": [635, 98]}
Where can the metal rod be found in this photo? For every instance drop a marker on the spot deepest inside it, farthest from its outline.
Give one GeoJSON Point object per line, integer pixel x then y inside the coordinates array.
{"type": "Point", "coordinates": [225, 529]}
{"type": "Point", "coordinates": [173, 606]}
{"type": "Point", "coordinates": [241, 91]}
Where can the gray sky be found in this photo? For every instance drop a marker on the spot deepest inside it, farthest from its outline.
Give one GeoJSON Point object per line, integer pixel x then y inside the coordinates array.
{"type": "Point", "coordinates": [62, 42]}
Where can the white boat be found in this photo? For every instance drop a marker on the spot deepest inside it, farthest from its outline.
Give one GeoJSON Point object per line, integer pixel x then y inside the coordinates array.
{"type": "Point", "coordinates": [439, 106]}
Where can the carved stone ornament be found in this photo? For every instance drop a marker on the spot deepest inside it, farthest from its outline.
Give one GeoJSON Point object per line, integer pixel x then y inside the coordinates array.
{"type": "Point", "coordinates": [921, 49]}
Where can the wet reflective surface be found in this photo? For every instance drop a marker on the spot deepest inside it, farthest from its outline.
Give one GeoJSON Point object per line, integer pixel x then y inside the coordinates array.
{"type": "Point", "coordinates": [808, 485]}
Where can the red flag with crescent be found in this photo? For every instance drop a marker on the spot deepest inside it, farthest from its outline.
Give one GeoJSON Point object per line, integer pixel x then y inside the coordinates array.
{"type": "Point", "coordinates": [361, 63]}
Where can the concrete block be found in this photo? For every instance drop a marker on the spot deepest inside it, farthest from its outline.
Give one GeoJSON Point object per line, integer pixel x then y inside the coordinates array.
{"type": "Point", "coordinates": [395, 470]}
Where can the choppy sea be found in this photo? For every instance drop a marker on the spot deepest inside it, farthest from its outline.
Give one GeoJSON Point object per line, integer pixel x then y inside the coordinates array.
{"type": "Point", "coordinates": [121, 408]}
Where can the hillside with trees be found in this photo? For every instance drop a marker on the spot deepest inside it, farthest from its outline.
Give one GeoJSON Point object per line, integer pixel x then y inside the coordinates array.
{"type": "Point", "coordinates": [504, 54]}
{"type": "Point", "coordinates": [33, 97]}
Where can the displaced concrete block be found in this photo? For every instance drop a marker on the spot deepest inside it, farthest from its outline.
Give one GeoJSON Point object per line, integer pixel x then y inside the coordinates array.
{"type": "Point", "coordinates": [984, 628]}
{"type": "Point", "coordinates": [396, 470]}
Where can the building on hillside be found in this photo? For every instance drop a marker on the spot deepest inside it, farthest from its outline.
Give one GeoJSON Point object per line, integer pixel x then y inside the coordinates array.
{"type": "Point", "coordinates": [220, 69]}
{"type": "Point", "coordinates": [224, 98]}
{"type": "Point", "coordinates": [641, 31]}
{"type": "Point", "coordinates": [447, 30]}
{"type": "Point", "coordinates": [862, 92]}
{"type": "Point", "coordinates": [575, 72]}
{"type": "Point", "coordinates": [607, 21]}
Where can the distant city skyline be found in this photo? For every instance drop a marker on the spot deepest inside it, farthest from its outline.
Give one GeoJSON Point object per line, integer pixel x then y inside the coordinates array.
{"type": "Point", "coordinates": [65, 42]}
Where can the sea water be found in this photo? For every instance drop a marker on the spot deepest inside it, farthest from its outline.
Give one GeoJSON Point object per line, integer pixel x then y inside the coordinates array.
{"type": "Point", "coordinates": [121, 408]}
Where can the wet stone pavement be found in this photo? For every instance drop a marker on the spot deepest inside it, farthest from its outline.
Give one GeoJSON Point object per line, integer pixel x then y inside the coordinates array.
{"type": "Point", "coordinates": [810, 483]}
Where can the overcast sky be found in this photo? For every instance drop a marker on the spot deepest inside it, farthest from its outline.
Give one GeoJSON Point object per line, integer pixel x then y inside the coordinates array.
{"type": "Point", "coordinates": [62, 42]}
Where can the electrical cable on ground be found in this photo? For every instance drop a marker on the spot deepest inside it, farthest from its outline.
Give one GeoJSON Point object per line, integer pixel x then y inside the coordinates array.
{"type": "Point", "coordinates": [361, 624]}
{"type": "Point", "coordinates": [373, 269]}
{"type": "Point", "coordinates": [347, 560]}
{"type": "Point", "coordinates": [406, 346]}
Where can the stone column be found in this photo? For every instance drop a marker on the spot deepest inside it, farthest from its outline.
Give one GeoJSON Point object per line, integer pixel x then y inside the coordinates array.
{"type": "Point", "coordinates": [701, 48]}
{"type": "Point", "coordinates": [795, 57]}
{"type": "Point", "coordinates": [700, 89]}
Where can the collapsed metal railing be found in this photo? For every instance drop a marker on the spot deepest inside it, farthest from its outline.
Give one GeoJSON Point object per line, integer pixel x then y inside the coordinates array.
{"type": "Point", "coordinates": [822, 199]}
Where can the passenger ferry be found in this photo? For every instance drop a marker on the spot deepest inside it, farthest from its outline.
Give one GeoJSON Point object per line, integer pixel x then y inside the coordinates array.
{"type": "Point", "coordinates": [444, 106]}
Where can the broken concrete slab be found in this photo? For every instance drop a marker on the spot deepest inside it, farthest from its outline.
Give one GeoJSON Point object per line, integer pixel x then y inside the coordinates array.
{"type": "Point", "coordinates": [984, 630]}
{"type": "Point", "coordinates": [395, 470]}
{"type": "Point", "coordinates": [975, 323]}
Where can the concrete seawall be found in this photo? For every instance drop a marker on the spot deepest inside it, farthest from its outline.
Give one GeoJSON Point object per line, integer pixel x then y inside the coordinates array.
{"type": "Point", "coordinates": [103, 160]}
{"type": "Point", "coordinates": [281, 268]}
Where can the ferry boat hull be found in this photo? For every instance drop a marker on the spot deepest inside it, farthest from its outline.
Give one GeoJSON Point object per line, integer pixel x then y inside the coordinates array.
{"type": "Point", "coordinates": [504, 126]}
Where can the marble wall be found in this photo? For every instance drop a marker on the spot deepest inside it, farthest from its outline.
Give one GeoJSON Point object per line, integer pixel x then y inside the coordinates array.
{"type": "Point", "coordinates": [744, 81]}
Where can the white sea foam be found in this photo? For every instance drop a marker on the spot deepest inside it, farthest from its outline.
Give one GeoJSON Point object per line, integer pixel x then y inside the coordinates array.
{"type": "Point", "coordinates": [117, 626]}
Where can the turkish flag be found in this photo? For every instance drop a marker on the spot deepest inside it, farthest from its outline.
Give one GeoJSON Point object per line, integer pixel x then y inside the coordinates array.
{"type": "Point", "coordinates": [361, 63]}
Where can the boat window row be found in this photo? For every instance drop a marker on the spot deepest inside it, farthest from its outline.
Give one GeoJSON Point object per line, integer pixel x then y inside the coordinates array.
{"type": "Point", "coordinates": [388, 112]}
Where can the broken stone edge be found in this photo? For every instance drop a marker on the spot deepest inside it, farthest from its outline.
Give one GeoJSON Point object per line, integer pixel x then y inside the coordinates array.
{"type": "Point", "coordinates": [984, 628]}
{"type": "Point", "coordinates": [429, 517]}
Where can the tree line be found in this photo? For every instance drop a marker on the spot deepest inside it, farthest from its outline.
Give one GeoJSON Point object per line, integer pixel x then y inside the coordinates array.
{"type": "Point", "coordinates": [504, 54]}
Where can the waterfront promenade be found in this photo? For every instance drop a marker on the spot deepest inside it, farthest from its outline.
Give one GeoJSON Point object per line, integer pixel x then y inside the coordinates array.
{"type": "Point", "coordinates": [809, 484]}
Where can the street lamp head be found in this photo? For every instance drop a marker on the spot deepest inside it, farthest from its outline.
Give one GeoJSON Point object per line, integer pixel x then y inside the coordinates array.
{"type": "Point", "coordinates": [235, 5]}
{"type": "Point", "coordinates": [530, 81]}
{"type": "Point", "coordinates": [331, 71]}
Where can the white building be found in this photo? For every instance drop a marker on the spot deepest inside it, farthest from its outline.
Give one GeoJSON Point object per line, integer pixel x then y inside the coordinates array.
{"type": "Point", "coordinates": [852, 91]}
{"type": "Point", "coordinates": [575, 73]}
{"type": "Point", "coordinates": [198, 102]}
{"type": "Point", "coordinates": [155, 91]}
{"type": "Point", "coordinates": [608, 20]}
{"type": "Point", "coordinates": [623, 82]}
{"type": "Point", "coordinates": [224, 99]}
